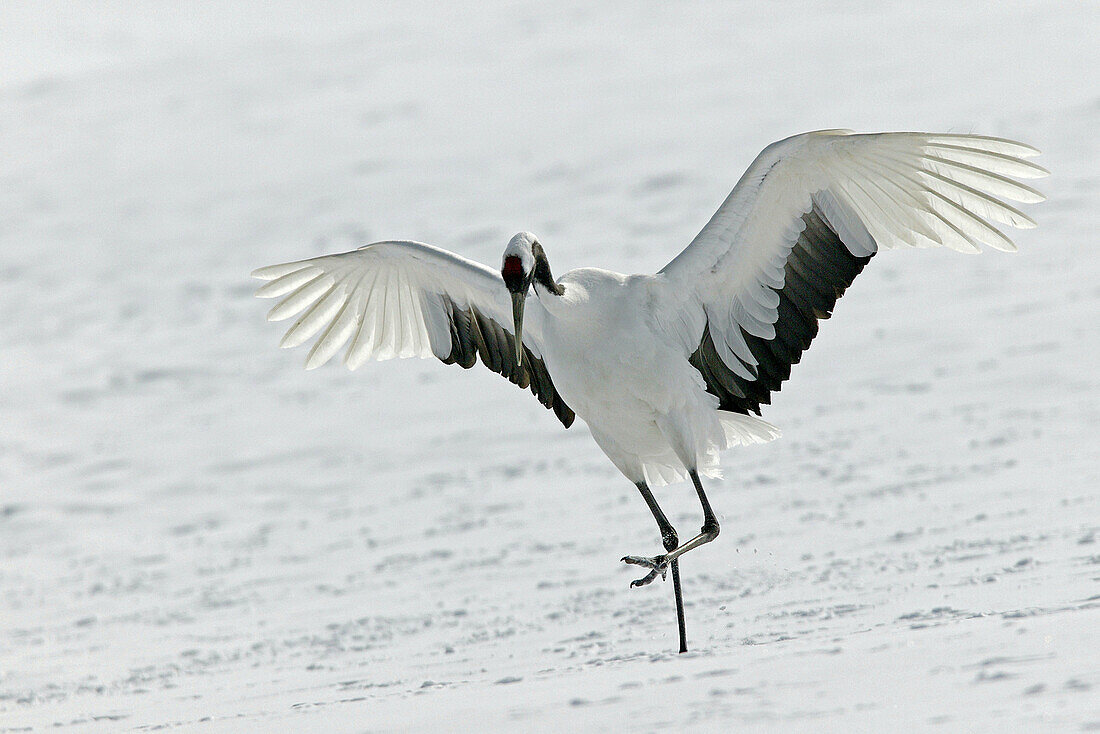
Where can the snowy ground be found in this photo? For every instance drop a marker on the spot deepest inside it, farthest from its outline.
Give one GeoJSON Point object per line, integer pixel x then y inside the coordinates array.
{"type": "Point", "coordinates": [195, 534]}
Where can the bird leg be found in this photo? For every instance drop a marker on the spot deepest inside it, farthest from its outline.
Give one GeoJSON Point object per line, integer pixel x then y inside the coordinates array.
{"type": "Point", "coordinates": [661, 564]}
{"type": "Point", "coordinates": [670, 540]}
{"type": "Point", "coordinates": [709, 531]}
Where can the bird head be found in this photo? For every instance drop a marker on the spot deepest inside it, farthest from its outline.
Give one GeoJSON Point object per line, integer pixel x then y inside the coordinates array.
{"type": "Point", "coordinates": [517, 269]}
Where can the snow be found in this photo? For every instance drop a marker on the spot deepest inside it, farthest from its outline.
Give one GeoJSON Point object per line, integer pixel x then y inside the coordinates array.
{"type": "Point", "coordinates": [196, 534]}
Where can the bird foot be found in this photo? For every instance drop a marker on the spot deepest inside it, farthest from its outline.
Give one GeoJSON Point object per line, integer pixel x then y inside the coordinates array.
{"type": "Point", "coordinates": [657, 565]}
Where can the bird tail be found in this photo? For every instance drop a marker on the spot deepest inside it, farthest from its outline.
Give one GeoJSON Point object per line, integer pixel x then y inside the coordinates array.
{"type": "Point", "coordinates": [742, 430]}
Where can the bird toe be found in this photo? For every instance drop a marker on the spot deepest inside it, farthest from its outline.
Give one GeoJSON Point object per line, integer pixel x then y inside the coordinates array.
{"type": "Point", "coordinates": [657, 565]}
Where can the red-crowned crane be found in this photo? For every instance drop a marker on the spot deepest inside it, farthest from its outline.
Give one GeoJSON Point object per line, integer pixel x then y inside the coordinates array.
{"type": "Point", "coordinates": [669, 369]}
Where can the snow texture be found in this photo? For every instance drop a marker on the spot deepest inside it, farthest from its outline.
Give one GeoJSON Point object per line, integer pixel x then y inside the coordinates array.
{"type": "Point", "coordinates": [198, 535]}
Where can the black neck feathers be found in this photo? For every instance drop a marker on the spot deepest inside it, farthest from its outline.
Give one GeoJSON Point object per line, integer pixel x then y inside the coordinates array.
{"type": "Point", "coordinates": [542, 274]}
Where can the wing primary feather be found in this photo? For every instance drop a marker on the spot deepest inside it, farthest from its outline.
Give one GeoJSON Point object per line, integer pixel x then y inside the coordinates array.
{"type": "Point", "coordinates": [407, 317]}
{"type": "Point", "coordinates": [957, 239]}
{"type": "Point", "coordinates": [422, 340]}
{"type": "Point", "coordinates": [961, 173]}
{"type": "Point", "coordinates": [273, 272]}
{"type": "Point", "coordinates": [988, 206]}
{"type": "Point", "coordinates": [989, 181]}
{"type": "Point", "coordinates": [289, 282]}
{"type": "Point", "coordinates": [889, 223]}
{"type": "Point", "coordinates": [315, 318]}
{"type": "Point", "coordinates": [912, 220]}
{"type": "Point", "coordinates": [984, 142]}
{"type": "Point", "coordinates": [989, 161]}
{"type": "Point", "coordinates": [982, 203]}
{"type": "Point", "coordinates": [334, 337]}
{"type": "Point", "coordinates": [438, 323]}
{"type": "Point", "coordinates": [359, 349]}
{"type": "Point", "coordinates": [975, 226]}
{"type": "Point", "coordinates": [385, 338]}
{"type": "Point", "coordinates": [301, 298]}
{"type": "Point", "coordinates": [376, 316]}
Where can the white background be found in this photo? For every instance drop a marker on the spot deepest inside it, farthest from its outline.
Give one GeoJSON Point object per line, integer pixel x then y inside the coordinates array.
{"type": "Point", "coordinates": [197, 534]}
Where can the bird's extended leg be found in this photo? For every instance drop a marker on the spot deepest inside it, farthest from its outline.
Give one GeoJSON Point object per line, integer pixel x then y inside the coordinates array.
{"type": "Point", "coordinates": [709, 531]}
{"type": "Point", "coordinates": [670, 540]}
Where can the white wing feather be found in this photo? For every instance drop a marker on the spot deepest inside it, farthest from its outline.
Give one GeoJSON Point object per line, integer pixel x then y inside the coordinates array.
{"type": "Point", "coordinates": [880, 191]}
{"type": "Point", "coordinates": [387, 299]}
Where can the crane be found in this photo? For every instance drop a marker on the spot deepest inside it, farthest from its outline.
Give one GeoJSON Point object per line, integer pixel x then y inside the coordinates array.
{"type": "Point", "coordinates": [668, 370]}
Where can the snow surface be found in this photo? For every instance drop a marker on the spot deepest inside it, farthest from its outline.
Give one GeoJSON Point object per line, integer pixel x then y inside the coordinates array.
{"type": "Point", "coordinates": [196, 534]}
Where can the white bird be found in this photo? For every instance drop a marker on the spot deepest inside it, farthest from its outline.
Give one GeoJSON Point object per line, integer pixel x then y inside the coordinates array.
{"type": "Point", "coordinates": [668, 369]}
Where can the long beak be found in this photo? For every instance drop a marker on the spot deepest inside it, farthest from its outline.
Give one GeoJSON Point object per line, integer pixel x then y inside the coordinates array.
{"type": "Point", "coordinates": [518, 300]}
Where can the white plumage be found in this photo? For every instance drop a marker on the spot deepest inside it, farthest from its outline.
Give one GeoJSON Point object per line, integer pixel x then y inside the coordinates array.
{"type": "Point", "coordinates": [385, 298]}
{"type": "Point", "coordinates": [665, 369]}
{"type": "Point", "coordinates": [877, 191]}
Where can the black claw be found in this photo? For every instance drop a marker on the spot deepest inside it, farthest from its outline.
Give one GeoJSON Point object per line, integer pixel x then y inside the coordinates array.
{"type": "Point", "coordinates": [656, 565]}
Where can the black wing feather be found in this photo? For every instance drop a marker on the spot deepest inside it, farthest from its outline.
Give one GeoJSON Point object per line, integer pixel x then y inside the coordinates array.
{"type": "Point", "coordinates": [474, 334]}
{"type": "Point", "coordinates": [817, 272]}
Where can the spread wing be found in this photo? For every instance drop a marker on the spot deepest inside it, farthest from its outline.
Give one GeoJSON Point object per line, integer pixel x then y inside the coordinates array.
{"type": "Point", "coordinates": [744, 298]}
{"type": "Point", "coordinates": [406, 299]}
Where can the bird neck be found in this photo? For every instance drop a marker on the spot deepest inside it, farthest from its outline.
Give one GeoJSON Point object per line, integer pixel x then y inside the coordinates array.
{"type": "Point", "coordinates": [542, 275]}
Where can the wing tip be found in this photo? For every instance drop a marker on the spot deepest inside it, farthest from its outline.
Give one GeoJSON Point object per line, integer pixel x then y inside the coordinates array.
{"type": "Point", "coordinates": [271, 272]}
{"type": "Point", "coordinates": [274, 272]}
{"type": "Point", "coordinates": [1036, 171]}
{"type": "Point", "coordinates": [993, 143]}
{"type": "Point", "coordinates": [1021, 150]}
